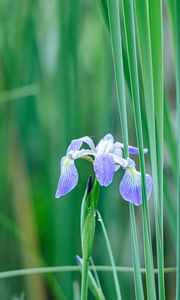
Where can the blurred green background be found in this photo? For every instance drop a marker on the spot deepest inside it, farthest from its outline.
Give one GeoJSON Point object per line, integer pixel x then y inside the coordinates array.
{"type": "Point", "coordinates": [56, 84]}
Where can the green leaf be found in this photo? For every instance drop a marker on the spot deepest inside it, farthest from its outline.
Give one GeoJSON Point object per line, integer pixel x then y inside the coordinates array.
{"type": "Point", "coordinates": [177, 30]}
{"type": "Point", "coordinates": [150, 93]}
{"type": "Point", "coordinates": [132, 57]}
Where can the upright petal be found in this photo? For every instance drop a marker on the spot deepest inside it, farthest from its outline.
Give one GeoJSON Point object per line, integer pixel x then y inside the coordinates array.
{"type": "Point", "coordinates": [104, 167]}
{"type": "Point", "coordinates": [117, 149]}
{"type": "Point", "coordinates": [105, 145]}
{"type": "Point", "coordinates": [77, 143]}
{"type": "Point", "coordinates": [130, 186]}
{"type": "Point", "coordinates": [68, 178]}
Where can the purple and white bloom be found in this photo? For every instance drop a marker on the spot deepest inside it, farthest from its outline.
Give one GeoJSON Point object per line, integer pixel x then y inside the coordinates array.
{"type": "Point", "coordinates": [107, 158]}
{"type": "Point", "coordinates": [130, 185]}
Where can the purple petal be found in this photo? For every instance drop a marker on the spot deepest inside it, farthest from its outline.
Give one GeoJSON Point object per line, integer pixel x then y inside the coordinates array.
{"type": "Point", "coordinates": [68, 178]}
{"type": "Point", "coordinates": [77, 143]}
{"type": "Point", "coordinates": [104, 167]}
{"type": "Point", "coordinates": [105, 145]}
{"type": "Point", "coordinates": [130, 186]}
{"type": "Point", "coordinates": [135, 150]}
{"type": "Point", "coordinates": [132, 150]}
{"type": "Point", "coordinates": [131, 163]}
{"type": "Point", "coordinates": [117, 149]}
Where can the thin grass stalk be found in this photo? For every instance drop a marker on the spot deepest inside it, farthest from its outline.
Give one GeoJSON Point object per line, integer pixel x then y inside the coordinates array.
{"type": "Point", "coordinates": [62, 269]}
{"type": "Point", "coordinates": [136, 260]}
{"type": "Point", "coordinates": [155, 15]}
{"type": "Point", "coordinates": [115, 33]}
{"type": "Point", "coordinates": [143, 30]}
{"type": "Point", "coordinates": [117, 287]}
{"type": "Point", "coordinates": [128, 8]}
{"type": "Point", "coordinates": [76, 290]}
{"type": "Point", "coordinates": [156, 35]}
{"type": "Point", "coordinates": [177, 30]}
{"type": "Point", "coordinates": [170, 137]}
{"type": "Point", "coordinates": [95, 274]}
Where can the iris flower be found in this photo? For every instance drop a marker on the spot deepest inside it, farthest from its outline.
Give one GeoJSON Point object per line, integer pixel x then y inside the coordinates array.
{"type": "Point", "coordinates": [107, 158]}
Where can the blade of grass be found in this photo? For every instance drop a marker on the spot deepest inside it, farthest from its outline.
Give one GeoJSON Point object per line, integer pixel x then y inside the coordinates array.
{"type": "Point", "coordinates": [18, 93]}
{"type": "Point", "coordinates": [116, 281]}
{"type": "Point", "coordinates": [177, 31]}
{"type": "Point", "coordinates": [143, 30]}
{"type": "Point", "coordinates": [128, 10]}
{"type": "Point", "coordinates": [59, 269]}
{"type": "Point", "coordinates": [113, 7]}
{"type": "Point", "coordinates": [170, 208]}
{"type": "Point", "coordinates": [155, 16]}
{"type": "Point", "coordinates": [20, 236]}
{"type": "Point", "coordinates": [22, 202]}
{"type": "Point", "coordinates": [170, 137]}
{"type": "Point", "coordinates": [76, 290]}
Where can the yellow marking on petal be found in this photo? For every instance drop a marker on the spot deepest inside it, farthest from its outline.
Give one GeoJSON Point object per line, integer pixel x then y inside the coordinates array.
{"type": "Point", "coordinates": [67, 162]}
{"type": "Point", "coordinates": [132, 171]}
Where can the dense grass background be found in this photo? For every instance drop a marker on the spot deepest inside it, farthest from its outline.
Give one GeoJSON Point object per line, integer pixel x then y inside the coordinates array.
{"type": "Point", "coordinates": [57, 83]}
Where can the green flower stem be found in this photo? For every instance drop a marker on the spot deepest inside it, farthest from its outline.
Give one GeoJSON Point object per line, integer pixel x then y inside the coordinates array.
{"type": "Point", "coordinates": [94, 284]}
{"type": "Point", "coordinates": [87, 220]}
{"type": "Point", "coordinates": [84, 284]}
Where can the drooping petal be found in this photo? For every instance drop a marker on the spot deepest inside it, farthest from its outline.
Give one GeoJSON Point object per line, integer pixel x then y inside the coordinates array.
{"type": "Point", "coordinates": [130, 186]}
{"type": "Point", "coordinates": [105, 145]}
{"type": "Point", "coordinates": [68, 178]}
{"type": "Point", "coordinates": [77, 143]}
{"type": "Point", "coordinates": [104, 167]}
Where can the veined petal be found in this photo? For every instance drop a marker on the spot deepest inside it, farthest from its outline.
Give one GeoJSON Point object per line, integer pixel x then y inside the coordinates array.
{"type": "Point", "coordinates": [68, 178]}
{"type": "Point", "coordinates": [104, 167]}
{"type": "Point", "coordinates": [130, 186]}
{"type": "Point", "coordinates": [105, 145]}
{"type": "Point", "coordinates": [77, 143]}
